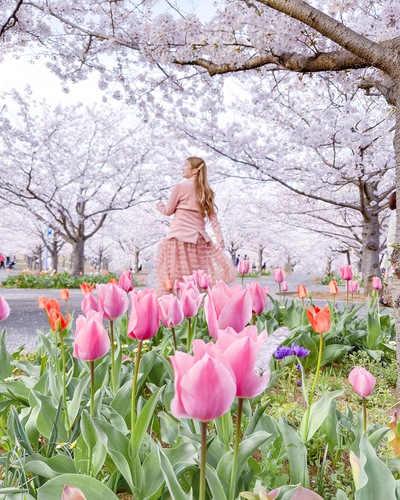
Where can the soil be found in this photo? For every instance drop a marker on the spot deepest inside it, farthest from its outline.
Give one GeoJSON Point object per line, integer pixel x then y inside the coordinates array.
{"type": "Point", "coordinates": [341, 296]}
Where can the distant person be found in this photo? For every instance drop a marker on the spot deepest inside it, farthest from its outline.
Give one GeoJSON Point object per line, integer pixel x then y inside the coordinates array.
{"type": "Point", "coordinates": [237, 259]}
{"type": "Point", "coordinates": [7, 260]}
{"type": "Point", "coordinates": [2, 259]}
{"type": "Point", "coordinates": [188, 247]}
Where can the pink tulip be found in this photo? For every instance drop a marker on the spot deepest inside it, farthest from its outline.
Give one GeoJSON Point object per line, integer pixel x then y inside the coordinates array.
{"type": "Point", "coordinates": [202, 279]}
{"type": "Point", "coordinates": [113, 300]}
{"type": "Point", "coordinates": [243, 267]}
{"type": "Point", "coordinates": [346, 272]}
{"type": "Point", "coordinates": [170, 310]}
{"type": "Point", "coordinates": [191, 300]}
{"type": "Point", "coordinates": [90, 303]}
{"type": "Point", "coordinates": [204, 384]}
{"type": "Point", "coordinates": [227, 306]}
{"type": "Point", "coordinates": [279, 276]}
{"type": "Point", "coordinates": [91, 339]}
{"type": "Point", "coordinates": [240, 351]}
{"type": "Point", "coordinates": [144, 320]}
{"type": "Point", "coordinates": [72, 493]}
{"type": "Point", "coordinates": [258, 297]}
{"type": "Point", "coordinates": [284, 286]}
{"type": "Point", "coordinates": [353, 286]}
{"type": "Point", "coordinates": [300, 494]}
{"type": "Point", "coordinates": [376, 283]}
{"type": "Point", "coordinates": [362, 381]}
{"type": "Point", "coordinates": [4, 309]}
{"type": "Point", "coordinates": [267, 290]}
{"type": "Point", "coordinates": [126, 281]}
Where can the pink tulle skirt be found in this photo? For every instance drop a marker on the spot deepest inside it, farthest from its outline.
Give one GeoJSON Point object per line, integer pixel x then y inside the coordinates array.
{"type": "Point", "coordinates": [177, 259]}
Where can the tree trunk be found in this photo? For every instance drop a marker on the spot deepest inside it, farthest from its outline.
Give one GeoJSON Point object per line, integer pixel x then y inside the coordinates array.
{"type": "Point", "coordinates": [260, 252]}
{"type": "Point", "coordinates": [54, 254]}
{"type": "Point", "coordinates": [78, 257]}
{"type": "Point", "coordinates": [370, 252]}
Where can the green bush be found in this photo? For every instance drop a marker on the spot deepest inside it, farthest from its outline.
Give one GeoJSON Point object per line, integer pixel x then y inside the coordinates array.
{"type": "Point", "coordinates": [54, 280]}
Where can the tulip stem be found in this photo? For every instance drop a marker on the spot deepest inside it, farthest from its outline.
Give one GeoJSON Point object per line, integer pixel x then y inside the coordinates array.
{"type": "Point", "coordinates": [254, 319]}
{"type": "Point", "coordinates": [112, 355]}
{"type": "Point", "coordinates": [174, 337]}
{"type": "Point", "coordinates": [64, 367]}
{"type": "Point", "coordinates": [135, 377]}
{"type": "Point", "coordinates": [364, 405]}
{"type": "Point", "coordinates": [91, 388]}
{"type": "Point", "coordinates": [232, 486]}
{"type": "Point", "coordinates": [347, 296]}
{"type": "Point", "coordinates": [202, 489]}
{"type": "Point", "coordinates": [189, 335]}
{"type": "Point", "coordinates": [280, 293]}
{"type": "Point", "coordinates": [311, 395]}
{"type": "Point", "coordinates": [242, 279]}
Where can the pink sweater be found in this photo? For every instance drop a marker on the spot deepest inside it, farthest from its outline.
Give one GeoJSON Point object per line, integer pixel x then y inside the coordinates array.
{"type": "Point", "coordinates": [188, 222]}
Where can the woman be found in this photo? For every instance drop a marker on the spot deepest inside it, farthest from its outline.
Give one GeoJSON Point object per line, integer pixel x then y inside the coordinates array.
{"type": "Point", "coordinates": [187, 246]}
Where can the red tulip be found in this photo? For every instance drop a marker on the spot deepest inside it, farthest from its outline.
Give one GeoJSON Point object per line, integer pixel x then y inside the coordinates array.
{"type": "Point", "coordinates": [86, 288]}
{"type": "Point", "coordinates": [376, 283]}
{"type": "Point", "coordinates": [171, 311]}
{"type": "Point", "coordinates": [279, 275]}
{"type": "Point", "coordinates": [284, 286]}
{"type": "Point", "coordinates": [320, 320]}
{"type": "Point", "coordinates": [353, 286]}
{"type": "Point", "coordinates": [346, 272]}
{"type": "Point", "coordinates": [126, 281]}
{"type": "Point", "coordinates": [227, 306]}
{"type": "Point", "coordinates": [243, 267]}
{"type": "Point", "coordinates": [57, 321]}
{"type": "Point", "coordinates": [333, 288]}
{"type": "Point", "coordinates": [91, 338]}
{"type": "Point", "coordinates": [113, 300]}
{"type": "Point", "coordinates": [302, 292]}
{"type": "Point", "coordinates": [240, 351]}
{"type": "Point", "coordinates": [258, 296]}
{"type": "Point", "coordinates": [64, 294]}
{"type": "Point", "coordinates": [362, 380]}
{"type": "Point", "coordinates": [168, 285]}
{"type": "Point", "coordinates": [204, 384]}
{"type": "Point", "coordinates": [144, 319]}
{"type": "Point", "coordinates": [4, 309]}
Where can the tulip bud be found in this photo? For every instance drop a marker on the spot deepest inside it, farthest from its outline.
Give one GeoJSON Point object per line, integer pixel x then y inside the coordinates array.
{"type": "Point", "coordinates": [64, 294]}
{"type": "Point", "coordinates": [72, 493]}
{"type": "Point", "coordinates": [243, 267]}
{"type": "Point", "coordinates": [353, 286]}
{"type": "Point", "coordinates": [333, 288]}
{"type": "Point", "coordinates": [376, 283]}
{"type": "Point", "coordinates": [362, 380]}
{"type": "Point", "coordinates": [279, 276]}
{"type": "Point", "coordinates": [302, 292]}
{"type": "Point", "coordinates": [346, 272]}
{"type": "Point", "coordinates": [284, 286]}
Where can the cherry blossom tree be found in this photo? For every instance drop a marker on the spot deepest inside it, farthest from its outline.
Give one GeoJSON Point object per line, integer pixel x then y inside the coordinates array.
{"type": "Point", "coordinates": [71, 167]}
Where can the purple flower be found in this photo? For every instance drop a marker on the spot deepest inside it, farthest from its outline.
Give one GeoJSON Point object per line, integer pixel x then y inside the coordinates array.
{"type": "Point", "coordinates": [299, 384]}
{"type": "Point", "coordinates": [299, 351]}
{"type": "Point", "coordinates": [282, 352]}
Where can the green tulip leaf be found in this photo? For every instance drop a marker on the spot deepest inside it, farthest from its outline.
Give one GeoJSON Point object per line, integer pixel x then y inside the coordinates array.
{"type": "Point", "coordinates": [90, 487]}
{"type": "Point", "coordinates": [376, 480]}
{"type": "Point", "coordinates": [318, 413]}
{"type": "Point", "coordinates": [171, 479]}
{"type": "Point", "coordinates": [49, 467]}
{"type": "Point", "coordinates": [297, 455]}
